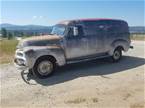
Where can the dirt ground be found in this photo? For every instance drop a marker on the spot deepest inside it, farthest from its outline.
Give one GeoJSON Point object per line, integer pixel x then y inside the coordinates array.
{"type": "Point", "coordinates": [90, 84]}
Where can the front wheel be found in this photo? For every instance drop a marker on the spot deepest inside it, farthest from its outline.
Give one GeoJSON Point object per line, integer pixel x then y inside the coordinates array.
{"type": "Point", "coordinates": [117, 55]}
{"type": "Point", "coordinates": [43, 68]}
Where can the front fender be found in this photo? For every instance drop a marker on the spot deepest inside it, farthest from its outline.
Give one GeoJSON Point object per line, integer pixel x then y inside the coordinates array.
{"type": "Point", "coordinates": [56, 52]}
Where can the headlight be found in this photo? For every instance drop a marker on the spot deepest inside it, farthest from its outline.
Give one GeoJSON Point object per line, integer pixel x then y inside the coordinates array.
{"type": "Point", "coordinates": [19, 53]}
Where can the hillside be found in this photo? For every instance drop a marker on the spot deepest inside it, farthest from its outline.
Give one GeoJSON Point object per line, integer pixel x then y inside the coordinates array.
{"type": "Point", "coordinates": [27, 28]}
{"type": "Point", "coordinates": [137, 29]}
{"type": "Point", "coordinates": [47, 29]}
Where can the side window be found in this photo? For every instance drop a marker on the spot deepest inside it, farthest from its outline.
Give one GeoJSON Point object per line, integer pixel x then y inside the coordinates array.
{"type": "Point", "coordinates": [114, 27]}
{"type": "Point", "coordinates": [95, 27]}
{"type": "Point", "coordinates": [124, 27]}
{"type": "Point", "coordinates": [89, 29]}
{"type": "Point", "coordinates": [89, 23]}
{"type": "Point", "coordinates": [80, 31]}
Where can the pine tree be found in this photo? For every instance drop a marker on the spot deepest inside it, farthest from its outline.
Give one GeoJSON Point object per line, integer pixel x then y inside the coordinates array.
{"type": "Point", "coordinates": [10, 35]}
{"type": "Point", "coordinates": [4, 32]}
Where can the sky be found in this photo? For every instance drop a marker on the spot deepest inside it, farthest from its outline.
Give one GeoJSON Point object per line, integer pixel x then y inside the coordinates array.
{"type": "Point", "coordinates": [49, 12]}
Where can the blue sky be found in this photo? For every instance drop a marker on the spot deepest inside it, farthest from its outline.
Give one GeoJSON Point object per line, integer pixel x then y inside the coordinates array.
{"type": "Point", "coordinates": [50, 12]}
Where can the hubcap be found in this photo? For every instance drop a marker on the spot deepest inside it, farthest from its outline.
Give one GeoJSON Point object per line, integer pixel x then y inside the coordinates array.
{"type": "Point", "coordinates": [45, 67]}
{"type": "Point", "coordinates": [116, 55]}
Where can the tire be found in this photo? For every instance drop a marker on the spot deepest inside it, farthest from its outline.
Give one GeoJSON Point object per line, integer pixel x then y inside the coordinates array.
{"type": "Point", "coordinates": [117, 55]}
{"type": "Point", "coordinates": [44, 68]}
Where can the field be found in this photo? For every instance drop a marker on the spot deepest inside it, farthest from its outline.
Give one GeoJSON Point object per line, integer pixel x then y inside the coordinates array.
{"type": "Point", "coordinates": [138, 37]}
{"type": "Point", "coordinates": [7, 47]}
{"type": "Point", "coordinates": [7, 50]}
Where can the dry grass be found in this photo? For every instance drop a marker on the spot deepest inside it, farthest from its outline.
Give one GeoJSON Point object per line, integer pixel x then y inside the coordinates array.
{"type": "Point", "coordinates": [82, 100]}
{"type": "Point", "coordinates": [95, 100]}
{"type": "Point", "coordinates": [7, 50]}
{"type": "Point", "coordinates": [138, 37]}
{"type": "Point", "coordinates": [76, 101]}
{"type": "Point", "coordinates": [137, 106]}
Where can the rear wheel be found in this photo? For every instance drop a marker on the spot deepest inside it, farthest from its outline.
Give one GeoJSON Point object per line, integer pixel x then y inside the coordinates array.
{"type": "Point", "coordinates": [43, 68]}
{"type": "Point", "coordinates": [117, 55]}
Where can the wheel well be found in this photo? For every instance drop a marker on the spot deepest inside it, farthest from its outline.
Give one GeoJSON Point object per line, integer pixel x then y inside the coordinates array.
{"type": "Point", "coordinates": [46, 57]}
{"type": "Point", "coordinates": [119, 47]}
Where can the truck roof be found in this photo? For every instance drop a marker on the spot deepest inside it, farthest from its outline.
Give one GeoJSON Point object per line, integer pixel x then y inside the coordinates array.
{"type": "Point", "coordinates": [94, 19]}
{"type": "Point", "coordinates": [89, 19]}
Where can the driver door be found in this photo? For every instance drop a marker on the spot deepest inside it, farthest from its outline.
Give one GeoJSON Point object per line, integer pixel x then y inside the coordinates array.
{"type": "Point", "coordinates": [76, 46]}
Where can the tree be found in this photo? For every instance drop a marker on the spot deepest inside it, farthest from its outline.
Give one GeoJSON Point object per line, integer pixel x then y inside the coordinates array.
{"type": "Point", "coordinates": [10, 35]}
{"type": "Point", "coordinates": [22, 34]}
{"type": "Point", "coordinates": [4, 32]}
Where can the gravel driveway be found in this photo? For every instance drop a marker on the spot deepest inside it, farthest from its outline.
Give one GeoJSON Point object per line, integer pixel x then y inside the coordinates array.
{"type": "Point", "coordinates": [92, 84]}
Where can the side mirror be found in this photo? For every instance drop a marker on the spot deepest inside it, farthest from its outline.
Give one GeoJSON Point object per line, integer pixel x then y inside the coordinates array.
{"type": "Point", "coordinates": [75, 31]}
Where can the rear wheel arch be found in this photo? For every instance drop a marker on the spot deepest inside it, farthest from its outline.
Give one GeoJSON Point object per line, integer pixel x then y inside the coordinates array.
{"type": "Point", "coordinates": [120, 47]}
{"type": "Point", "coordinates": [113, 48]}
{"type": "Point", "coordinates": [119, 43]}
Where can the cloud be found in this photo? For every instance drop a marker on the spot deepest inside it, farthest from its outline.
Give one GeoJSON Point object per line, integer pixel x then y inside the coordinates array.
{"type": "Point", "coordinates": [34, 17]}
{"type": "Point", "coordinates": [37, 17]}
{"type": "Point", "coordinates": [40, 16]}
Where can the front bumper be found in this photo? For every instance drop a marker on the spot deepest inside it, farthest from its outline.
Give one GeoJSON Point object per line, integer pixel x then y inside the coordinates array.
{"type": "Point", "coordinates": [20, 67]}
{"type": "Point", "coordinates": [20, 60]}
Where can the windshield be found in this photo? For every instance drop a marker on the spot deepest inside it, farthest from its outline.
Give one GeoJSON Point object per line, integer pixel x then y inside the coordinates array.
{"type": "Point", "coordinates": [58, 30]}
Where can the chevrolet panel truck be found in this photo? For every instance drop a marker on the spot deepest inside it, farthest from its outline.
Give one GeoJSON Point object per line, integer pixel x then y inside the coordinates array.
{"type": "Point", "coordinates": [73, 41]}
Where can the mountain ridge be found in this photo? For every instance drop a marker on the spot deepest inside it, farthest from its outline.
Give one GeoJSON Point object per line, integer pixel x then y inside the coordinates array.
{"type": "Point", "coordinates": [31, 27]}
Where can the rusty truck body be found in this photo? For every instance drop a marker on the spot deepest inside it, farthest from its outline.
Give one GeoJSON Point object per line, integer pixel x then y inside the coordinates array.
{"type": "Point", "coordinates": [73, 41]}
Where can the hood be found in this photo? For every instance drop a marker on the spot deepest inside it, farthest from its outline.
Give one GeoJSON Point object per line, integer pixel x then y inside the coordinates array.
{"type": "Point", "coordinates": [40, 41]}
{"type": "Point", "coordinates": [45, 37]}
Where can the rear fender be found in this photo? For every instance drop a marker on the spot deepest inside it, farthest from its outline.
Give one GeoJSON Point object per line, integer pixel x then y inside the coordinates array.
{"type": "Point", "coordinates": [119, 43]}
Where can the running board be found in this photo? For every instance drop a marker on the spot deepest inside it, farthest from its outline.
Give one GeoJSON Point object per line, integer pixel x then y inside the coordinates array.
{"type": "Point", "coordinates": [86, 59]}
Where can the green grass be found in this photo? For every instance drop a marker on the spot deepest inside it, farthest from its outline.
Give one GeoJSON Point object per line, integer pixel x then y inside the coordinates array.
{"type": "Point", "coordinates": [7, 50]}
